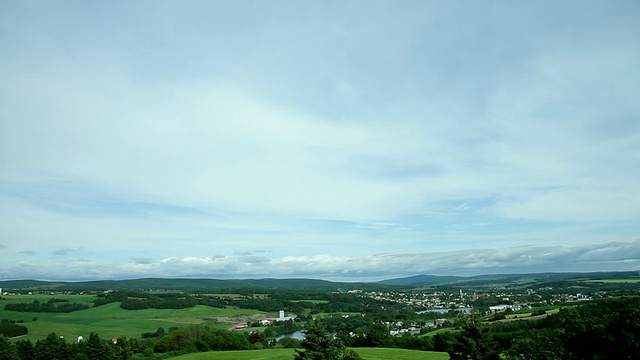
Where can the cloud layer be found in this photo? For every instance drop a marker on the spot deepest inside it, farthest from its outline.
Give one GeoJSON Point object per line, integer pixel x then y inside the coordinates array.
{"type": "Point", "coordinates": [528, 259]}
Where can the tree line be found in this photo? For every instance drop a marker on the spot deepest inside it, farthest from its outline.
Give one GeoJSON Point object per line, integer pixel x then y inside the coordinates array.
{"type": "Point", "coordinates": [52, 305]}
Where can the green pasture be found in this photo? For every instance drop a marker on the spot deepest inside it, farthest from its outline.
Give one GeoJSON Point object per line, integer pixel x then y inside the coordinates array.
{"type": "Point", "coordinates": [287, 354]}
{"type": "Point", "coordinates": [235, 296]}
{"type": "Point", "coordinates": [312, 301]}
{"type": "Point", "coordinates": [399, 354]}
{"type": "Point", "coordinates": [525, 280]}
{"type": "Point", "coordinates": [524, 315]}
{"type": "Point", "coordinates": [614, 281]}
{"type": "Point", "coordinates": [112, 321]}
{"type": "Point", "coordinates": [518, 315]}
{"type": "Point", "coordinates": [425, 288]}
{"type": "Point", "coordinates": [334, 314]}
{"type": "Point", "coordinates": [432, 333]}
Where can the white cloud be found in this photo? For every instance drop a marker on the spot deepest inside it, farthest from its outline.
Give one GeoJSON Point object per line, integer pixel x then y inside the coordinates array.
{"type": "Point", "coordinates": [346, 134]}
{"type": "Point", "coordinates": [525, 259]}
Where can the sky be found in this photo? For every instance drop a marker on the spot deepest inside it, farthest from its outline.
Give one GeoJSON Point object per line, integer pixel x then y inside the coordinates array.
{"type": "Point", "coordinates": [339, 140]}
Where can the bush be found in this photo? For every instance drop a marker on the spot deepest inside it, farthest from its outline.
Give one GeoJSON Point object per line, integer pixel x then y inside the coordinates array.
{"type": "Point", "coordinates": [10, 329]}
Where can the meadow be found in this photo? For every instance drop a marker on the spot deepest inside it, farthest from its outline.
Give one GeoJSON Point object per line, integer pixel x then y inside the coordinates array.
{"type": "Point", "coordinates": [287, 354]}
{"type": "Point", "coordinates": [110, 321]}
{"type": "Point", "coordinates": [615, 281]}
{"type": "Point", "coordinates": [524, 315]}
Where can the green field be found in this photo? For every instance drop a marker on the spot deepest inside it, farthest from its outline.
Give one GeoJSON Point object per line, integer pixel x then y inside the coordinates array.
{"type": "Point", "coordinates": [312, 301]}
{"type": "Point", "coordinates": [432, 333]}
{"type": "Point", "coordinates": [237, 296]}
{"type": "Point", "coordinates": [287, 354]}
{"type": "Point", "coordinates": [526, 280]}
{"type": "Point", "coordinates": [112, 321]}
{"type": "Point", "coordinates": [614, 281]}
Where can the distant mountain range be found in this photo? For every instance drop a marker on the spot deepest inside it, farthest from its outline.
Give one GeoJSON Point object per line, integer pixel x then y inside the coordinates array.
{"type": "Point", "coordinates": [418, 281]}
{"type": "Point", "coordinates": [182, 284]}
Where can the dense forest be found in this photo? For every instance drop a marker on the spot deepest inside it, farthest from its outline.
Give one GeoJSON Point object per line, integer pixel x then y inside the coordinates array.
{"type": "Point", "coordinates": [608, 329]}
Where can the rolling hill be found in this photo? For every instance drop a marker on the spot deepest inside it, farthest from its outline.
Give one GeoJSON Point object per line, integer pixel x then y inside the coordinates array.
{"type": "Point", "coordinates": [506, 280]}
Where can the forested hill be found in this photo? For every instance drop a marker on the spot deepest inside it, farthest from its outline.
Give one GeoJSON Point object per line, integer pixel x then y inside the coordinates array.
{"type": "Point", "coordinates": [186, 284]}
{"type": "Point", "coordinates": [557, 280]}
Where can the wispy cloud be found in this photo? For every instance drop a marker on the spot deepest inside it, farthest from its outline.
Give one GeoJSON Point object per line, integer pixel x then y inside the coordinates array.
{"type": "Point", "coordinates": [66, 251]}
{"type": "Point", "coordinates": [317, 133]}
{"type": "Point", "coordinates": [77, 198]}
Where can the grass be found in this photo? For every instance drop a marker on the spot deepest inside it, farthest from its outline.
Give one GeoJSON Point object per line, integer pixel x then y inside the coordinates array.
{"type": "Point", "coordinates": [312, 301]}
{"type": "Point", "coordinates": [112, 321]}
{"type": "Point", "coordinates": [399, 354]}
{"type": "Point", "coordinates": [287, 354]}
{"type": "Point", "coordinates": [518, 315]}
{"type": "Point", "coordinates": [238, 296]}
{"type": "Point", "coordinates": [271, 354]}
{"type": "Point", "coordinates": [526, 280]}
{"type": "Point", "coordinates": [441, 330]}
{"type": "Point", "coordinates": [335, 314]}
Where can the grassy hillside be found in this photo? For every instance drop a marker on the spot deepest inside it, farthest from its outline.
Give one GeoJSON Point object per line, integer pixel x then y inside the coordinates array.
{"type": "Point", "coordinates": [287, 354]}
{"type": "Point", "coordinates": [112, 321]}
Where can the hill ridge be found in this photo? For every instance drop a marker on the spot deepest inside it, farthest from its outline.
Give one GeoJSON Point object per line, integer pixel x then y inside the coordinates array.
{"type": "Point", "coordinates": [159, 283]}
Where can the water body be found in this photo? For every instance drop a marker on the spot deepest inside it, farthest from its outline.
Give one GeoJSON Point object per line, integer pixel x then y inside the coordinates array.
{"type": "Point", "coordinates": [294, 335]}
{"type": "Point", "coordinates": [444, 311]}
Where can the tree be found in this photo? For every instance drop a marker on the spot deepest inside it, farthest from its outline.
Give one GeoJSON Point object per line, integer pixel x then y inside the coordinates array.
{"type": "Point", "coordinates": [25, 349]}
{"type": "Point", "coordinates": [97, 348]}
{"type": "Point", "coordinates": [318, 345]}
{"type": "Point", "coordinates": [378, 335]}
{"type": "Point", "coordinates": [535, 346]}
{"type": "Point", "coordinates": [51, 348]}
{"type": "Point", "coordinates": [474, 343]}
{"type": "Point", "coordinates": [7, 350]}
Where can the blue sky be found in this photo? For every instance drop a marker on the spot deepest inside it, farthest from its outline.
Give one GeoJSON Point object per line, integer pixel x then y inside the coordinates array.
{"type": "Point", "coordinates": [354, 140]}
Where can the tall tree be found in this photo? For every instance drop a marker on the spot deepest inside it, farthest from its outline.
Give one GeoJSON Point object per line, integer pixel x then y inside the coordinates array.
{"type": "Point", "coordinates": [51, 348]}
{"type": "Point", "coordinates": [318, 345]}
{"type": "Point", "coordinates": [24, 348]}
{"type": "Point", "coordinates": [474, 343]}
{"type": "Point", "coordinates": [7, 350]}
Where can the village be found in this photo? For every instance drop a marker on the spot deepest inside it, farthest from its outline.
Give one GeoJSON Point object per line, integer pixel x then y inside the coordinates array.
{"type": "Point", "coordinates": [500, 299]}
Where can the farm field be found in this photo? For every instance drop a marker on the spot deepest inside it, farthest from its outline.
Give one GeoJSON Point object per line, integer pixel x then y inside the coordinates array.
{"type": "Point", "coordinates": [112, 321]}
{"type": "Point", "coordinates": [524, 315]}
{"type": "Point", "coordinates": [287, 354]}
{"type": "Point", "coordinates": [615, 281]}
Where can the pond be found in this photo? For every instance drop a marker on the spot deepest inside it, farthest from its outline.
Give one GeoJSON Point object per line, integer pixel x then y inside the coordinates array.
{"type": "Point", "coordinates": [294, 335]}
